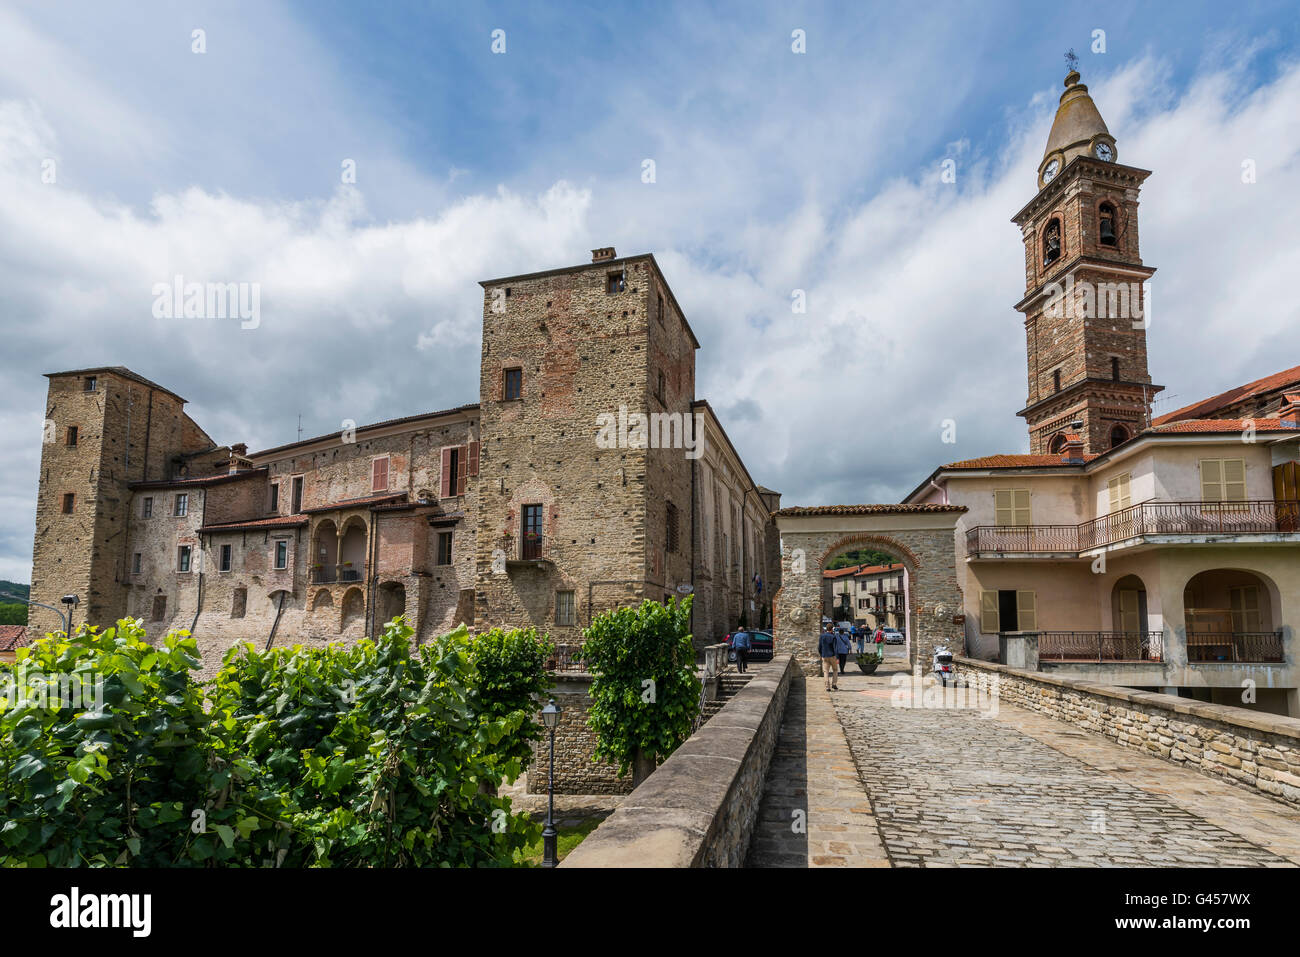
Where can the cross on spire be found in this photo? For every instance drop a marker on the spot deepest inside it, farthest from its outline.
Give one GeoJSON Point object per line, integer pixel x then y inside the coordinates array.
{"type": "Point", "coordinates": [1071, 61]}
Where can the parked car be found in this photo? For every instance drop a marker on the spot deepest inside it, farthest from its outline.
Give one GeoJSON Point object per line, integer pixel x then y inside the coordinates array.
{"type": "Point", "coordinates": [893, 636]}
{"type": "Point", "coordinates": [760, 646]}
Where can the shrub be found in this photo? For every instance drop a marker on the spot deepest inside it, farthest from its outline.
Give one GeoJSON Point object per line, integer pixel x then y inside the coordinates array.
{"type": "Point", "coordinates": [645, 693]}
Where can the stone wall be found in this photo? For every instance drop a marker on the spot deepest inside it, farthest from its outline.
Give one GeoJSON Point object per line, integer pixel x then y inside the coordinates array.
{"type": "Point", "coordinates": [698, 808]}
{"type": "Point", "coordinates": [1252, 749]}
{"type": "Point", "coordinates": [576, 771]}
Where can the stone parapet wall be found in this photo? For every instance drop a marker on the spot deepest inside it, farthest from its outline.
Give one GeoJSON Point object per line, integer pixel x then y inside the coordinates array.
{"type": "Point", "coordinates": [576, 771]}
{"type": "Point", "coordinates": [1253, 749]}
{"type": "Point", "coordinates": [699, 807]}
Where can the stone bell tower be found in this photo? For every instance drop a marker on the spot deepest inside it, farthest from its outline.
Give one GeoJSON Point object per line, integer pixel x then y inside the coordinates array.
{"type": "Point", "coordinates": [1086, 303]}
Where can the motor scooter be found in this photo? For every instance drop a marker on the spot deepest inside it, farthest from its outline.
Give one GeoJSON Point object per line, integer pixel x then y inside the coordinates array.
{"type": "Point", "coordinates": [943, 665]}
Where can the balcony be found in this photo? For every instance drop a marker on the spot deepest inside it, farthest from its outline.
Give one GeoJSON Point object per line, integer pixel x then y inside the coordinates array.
{"type": "Point", "coordinates": [1099, 646]}
{"type": "Point", "coordinates": [334, 574]}
{"type": "Point", "coordinates": [529, 551]}
{"type": "Point", "coordinates": [1235, 646]}
{"type": "Point", "coordinates": [1137, 521]}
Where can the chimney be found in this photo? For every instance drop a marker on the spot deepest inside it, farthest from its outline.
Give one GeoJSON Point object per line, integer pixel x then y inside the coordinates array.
{"type": "Point", "coordinates": [603, 254]}
{"type": "Point", "coordinates": [238, 457]}
{"type": "Point", "coordinates": [1072, 451]}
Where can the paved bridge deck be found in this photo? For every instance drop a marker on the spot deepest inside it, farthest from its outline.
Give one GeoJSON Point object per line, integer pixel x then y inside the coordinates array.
{"type": "Point", "coordinates": [883, 785]}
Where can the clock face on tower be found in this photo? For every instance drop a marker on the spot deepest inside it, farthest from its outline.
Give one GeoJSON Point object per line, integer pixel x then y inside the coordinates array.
{"type": "Point", "coordinates": [1050, 170]}
{"type": "Point", "coordinates": [1104, 152]}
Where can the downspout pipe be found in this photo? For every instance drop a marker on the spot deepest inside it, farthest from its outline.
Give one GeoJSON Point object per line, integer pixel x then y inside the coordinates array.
{"type": "Point", "coordinates": [203, 553]}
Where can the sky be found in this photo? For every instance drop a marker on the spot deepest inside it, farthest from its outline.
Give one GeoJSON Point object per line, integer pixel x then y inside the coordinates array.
{"type": "Point", "coordinates": [133, 150]}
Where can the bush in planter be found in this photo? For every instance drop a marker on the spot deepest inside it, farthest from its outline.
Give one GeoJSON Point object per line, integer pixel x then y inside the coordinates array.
{"type": "Point", "coordinates": [645, 694]}
{"type": "Point", "coordinates": [869, 660]}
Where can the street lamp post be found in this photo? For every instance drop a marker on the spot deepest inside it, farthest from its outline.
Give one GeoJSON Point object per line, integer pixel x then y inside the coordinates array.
{"type": "Point", "coordinates": [66, 619]}
{"type": "Point", "coordinates": [72, 601]}
{"type": "Point", "coordinates": [550, 718]}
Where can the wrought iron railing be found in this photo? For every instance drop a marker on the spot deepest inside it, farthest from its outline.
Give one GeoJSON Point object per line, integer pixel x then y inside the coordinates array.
{"type": "Point", "coordinates": [1100, 646]}
{"type": "Point", "coordinates": [1244, 646]}
{"type": "Point", "coordinates": [331, 574]}
{"type": "Point", "coordinates": [1146, 518]}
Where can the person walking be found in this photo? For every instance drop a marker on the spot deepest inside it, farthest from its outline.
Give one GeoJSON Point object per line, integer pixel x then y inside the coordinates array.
{"type": "Point", "coordinates": [826, 651]}
{"type": "Point", "coordinates": [740, 645]}
{"type": "Point", "coordinates": [843, 644]}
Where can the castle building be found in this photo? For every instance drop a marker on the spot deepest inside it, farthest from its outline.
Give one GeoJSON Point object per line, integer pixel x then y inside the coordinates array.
{"type": "Point", "coordinates": [1162, 553]}
{"type": "Point", "coordinates": [588, 475]}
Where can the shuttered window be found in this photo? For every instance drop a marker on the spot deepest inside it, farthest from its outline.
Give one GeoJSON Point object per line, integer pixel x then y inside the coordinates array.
{"type": "Point", "coordinates": [1245, 608]}
{"type": "Point", "coordinates": [1011, 506]}
{"type": "Point", "coordinates": [1120, 496]}
{"type": "Point", "coordinates": [379, 475]}
{"type": "Point", "coordinates": [1223, 480]}
{"type": "Point", "coordinates": [989, 612]}
{"type": "Point", "coordinates": [1027, 611]}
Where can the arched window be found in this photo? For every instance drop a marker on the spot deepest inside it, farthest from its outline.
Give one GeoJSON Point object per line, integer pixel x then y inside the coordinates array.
{"type": "Point", "coordinates": [1057, 445]}
{"type": "Point", "coordinates": [1118, 435]}
{"type": "Point", "coordinates": [1052, 242]}
{"type": "Point", "coordinates": [1106, 231]}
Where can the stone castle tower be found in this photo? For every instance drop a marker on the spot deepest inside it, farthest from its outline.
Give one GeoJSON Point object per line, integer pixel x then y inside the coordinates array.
{"type": "Point", "coordinates": [104, 428]}
{"type": "Point", "coordinates": [1085, 302]}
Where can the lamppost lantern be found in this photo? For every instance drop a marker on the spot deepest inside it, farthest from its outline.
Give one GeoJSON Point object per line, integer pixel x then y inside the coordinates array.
{"type": "Point", "coordinates": [550, 858]}
{"type": "Point", "coordinates": [551, 715]}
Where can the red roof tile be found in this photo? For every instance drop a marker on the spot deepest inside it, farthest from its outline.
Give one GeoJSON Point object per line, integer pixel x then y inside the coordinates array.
{"type": "Point", "coordinates": [1015, 462]}
{"type": "Point", "coordinates": [1228, 425]}
{"type": "Point", "coordinates": [201, 479]}
{"type": "Point", "coordinates": [876, 569]}
{"type": "Point", "coordinates": [356, 502]}
{"type": "Point", "coordinates": [13, 636]}
{"type": "Point", "coordinates": [869, 509]}
{"type": "Point", "coordinates": [1203, 409]}
{"type": "Point", "coordinates": [841, 572]}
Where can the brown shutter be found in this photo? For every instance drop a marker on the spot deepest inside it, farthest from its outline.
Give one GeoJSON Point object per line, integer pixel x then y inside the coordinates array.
{"type": "Point", "coordinates": [460, 472]}
{"type": "Point", "coordinates": [473, 459]}
{"type": "Point", "coordinates": [444, 490]}
{"type": "Point", "coordinates": [379, 475]}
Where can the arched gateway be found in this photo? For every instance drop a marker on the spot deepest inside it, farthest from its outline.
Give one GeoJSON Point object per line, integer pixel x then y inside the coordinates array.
{"type": "Point", "coordinates": [922, 537]}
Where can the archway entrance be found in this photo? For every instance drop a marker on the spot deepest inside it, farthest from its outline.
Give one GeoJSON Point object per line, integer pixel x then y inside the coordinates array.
{"type": "Point", "coordinates": [920, 537]}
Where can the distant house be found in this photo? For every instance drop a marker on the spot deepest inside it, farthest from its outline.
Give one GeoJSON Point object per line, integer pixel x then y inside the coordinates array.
{"type": "Point", "coordinates": [12, 637]}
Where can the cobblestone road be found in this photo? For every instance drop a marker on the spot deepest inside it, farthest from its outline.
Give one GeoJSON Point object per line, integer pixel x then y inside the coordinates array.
{"type": "Point", "coordinates": [952, 788]}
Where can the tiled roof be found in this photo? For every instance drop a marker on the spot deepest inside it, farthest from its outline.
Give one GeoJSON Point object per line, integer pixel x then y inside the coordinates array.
{"type": "Point", "coordinates": [841, 572]}
{"type": "Point", "coordinates": [1202, 409]}
{"type": "Point", "coordinates": [122, 371]}
{"type": "Point", "coordinates": [13, 636]}
{"type": "Point", "coordinates": [473, 406]}
{"type": "Point", "coordinates": [1228, 425]}
{"type": "Point", "coordinates": [275, 521]}
{"type": "Point", "coordinates": [1015, 462]}
{"type": "Point", "coordinates": [356, 502]}
{"type": "Point", "coordinates": [876, 569]}
{"type": "Point", "coordinates": [200, 480]}
{"type": "Point", "coordinates": [869, 509]}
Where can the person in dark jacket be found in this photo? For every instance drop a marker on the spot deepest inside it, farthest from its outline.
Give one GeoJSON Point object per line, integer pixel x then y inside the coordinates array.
{"type": "Point", "coordinates": [740, 645]}
{"type": "Point", "coordinates": [843, 645]}
{"type": "Point", "coordinates": [826, 651]}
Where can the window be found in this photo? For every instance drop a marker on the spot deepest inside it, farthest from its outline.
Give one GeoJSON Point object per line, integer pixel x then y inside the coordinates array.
{"type": "Point", "coordinates": [1114, 368]}
{"type": "Point", "coordinates": [281, 554]}
{"type": "Point", "coordinates": [1118, 491]}
{"type": "Point", "coordinates": [275, 497]}
{"type": "Point", "coordinates": [513, 385]}
{"type": "Point", "coordinates": [660, 389]}
{"type": "Point", "coordinates": [69, 502]}
{"type": "Point", "coordinates": [136, 561]}
{"type": "Point", "coordinates": [1223, 480]}
{"type": "Point", "coordinates": [159, 608]}
{"type": "Point", "coordinates": [1118, 436]}
{"type": "Point", "coordinates": [239, 604]}
{"type": "Point", "coordinates": [1008, 610]}
{"type": "Point", "coordinates": [660, 310]}
{"type": "Point", "coordinates": [455, 475]}
{"type": "Point", "coordinates": [91, 383]}
{"type": "Point", "coordinates": [564, 609]}
{"type": "Point", "coordinates": [864, 603]}
{"type": "Point", "coordinates": [71, 438]}
{"type": "Point", "coordinates": [183, 558]}
{"type": "Point", "coordinates": [182, 505]}
{"type": "Point", "coordinates": [1245, 608]}
{"type": "Point", "coordinates": [146, 507]}
{"type": "Point", "coordinates": [1057, 445]}
{"type": "Point", "coordinates": [1106, 224]}
{"type": "Point", "coordinates": [1011, 506]}
{"type": "Point", "coordinates": [379, 474]}
{"type": "Point", "coordinates": [444, 548]}
{"type": "Point", "coordinates": [297, 494]}
{"type": "Point", "coordinates": [1052, 242]}
{"type": "Point", "coordinates": [672, 528]}
{"type": "Point", "coordinates": [1056, 381]}
{"type": "Point", "coordinates": [227, 554]}
{"type": "Point", "coordinates": [614, 282]}
{"type": "Point", "coordinates": [532, 532]}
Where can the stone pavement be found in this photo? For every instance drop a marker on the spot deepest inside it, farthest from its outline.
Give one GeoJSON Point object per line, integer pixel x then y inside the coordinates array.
{"type": "Point", "coordinates": [951, 787]}
{"type": "Point", "coordinates": [814, 811]}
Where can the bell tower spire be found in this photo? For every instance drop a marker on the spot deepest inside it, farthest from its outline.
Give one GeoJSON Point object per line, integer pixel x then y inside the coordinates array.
{"type": "Point", "coordinates": [1086, 304]}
